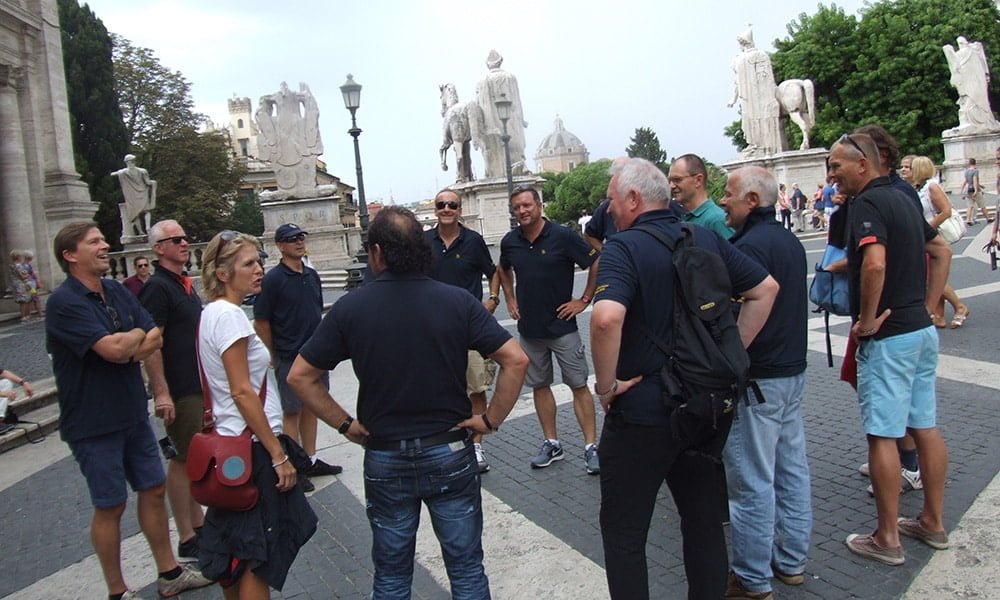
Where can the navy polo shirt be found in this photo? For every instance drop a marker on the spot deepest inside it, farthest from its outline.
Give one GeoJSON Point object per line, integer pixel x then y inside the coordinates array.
{"type": "Point", "coordinates": [174, 305]}
{"type": "Point", "coordinates": [408, 338]}
{"type": "Point", "coordinates": [601, 225]}
{"type": "Point", "coordinates": [293, 303]}
{"type": "Point", "coordinates": [636, 271]}
{"type": "Point", "coordinates": [463, 264]}
{"type": "Point", "coordinates": [96, 397]}
{"type": "Point", "coordinates": [779, 350]}
{"type": "Point", "coordinates": [545, 270]}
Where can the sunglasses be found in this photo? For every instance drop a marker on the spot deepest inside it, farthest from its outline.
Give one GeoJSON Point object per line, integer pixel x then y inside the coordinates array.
{"type": "Point", "coordinates": [847, 138]}
{"type": "Point", "coordinates": [300, 237]}
{"type": "Point", "coordinates": [113, 315]}
{"type": "Point", "coordinates": [176, 239]}
{"type": "Point", "coordinates": [142, 266]}
{"type": "Point", "coordinates": [449, 204]}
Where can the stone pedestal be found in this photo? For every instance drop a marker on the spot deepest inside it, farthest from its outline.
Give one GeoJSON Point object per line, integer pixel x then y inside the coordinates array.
{"type": "Point", "coordinates": [804, 167]}
{"type": "Point", "coordinates": [330, 244]}
{"type": "Point", "coordinates": [958, 149]}
{"type": "Point", "coordinates": [485, 205]}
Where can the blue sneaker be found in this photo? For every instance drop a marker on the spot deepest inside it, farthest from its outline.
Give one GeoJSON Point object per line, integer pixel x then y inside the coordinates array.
{"type": "Point", "coordinates": [591, 459]}
{"type": "Point", "coordinates": [547, 455]}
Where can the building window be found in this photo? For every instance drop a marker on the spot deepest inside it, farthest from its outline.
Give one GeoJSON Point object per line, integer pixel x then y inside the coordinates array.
{"type": "Point", "coordinates": [239, 123]}
{"type": "Point", "coordinates": [571, 165]}
{"type": "Point", "coordinates": [243, 147]}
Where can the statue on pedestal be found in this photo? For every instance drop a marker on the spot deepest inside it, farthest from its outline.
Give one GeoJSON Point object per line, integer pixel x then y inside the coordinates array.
{"type": "Point", "coordinates": [290, 140]}
{"type": "Point", "coordinates": [140, 197]}
{"type": "Point", "coordinates": [970, 74]}
{"type": "Point", "coordinates": [496, 85]}
{"type": "Point", "coordinates": [463, 128]}
{"type": "Point", "coordinates": [757, 94]}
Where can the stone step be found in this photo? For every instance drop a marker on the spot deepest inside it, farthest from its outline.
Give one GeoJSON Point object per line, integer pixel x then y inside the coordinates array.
{"type": "Point", "coordinates": [38, 416]}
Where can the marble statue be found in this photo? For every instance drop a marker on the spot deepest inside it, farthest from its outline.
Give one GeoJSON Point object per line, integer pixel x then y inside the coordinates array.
{"type": "Point", "coordinates": [756, 92]}
{"type": "Point", "coordinates": [797, 98]}
{"type": "Point", "coordinates": [463, 127]}
{"type": "Point", "coordinates": [496, 85]}
{"type": "Point", "coordinates": [970, 74]}
{"type": "Point", "coordinates": [140, 197]}
{"type": "Point", "coordinates": [290, 140]}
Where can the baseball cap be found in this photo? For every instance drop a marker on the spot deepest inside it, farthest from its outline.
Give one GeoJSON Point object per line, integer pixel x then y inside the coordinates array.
{"type": "Point", "coordinates": [288, 230]}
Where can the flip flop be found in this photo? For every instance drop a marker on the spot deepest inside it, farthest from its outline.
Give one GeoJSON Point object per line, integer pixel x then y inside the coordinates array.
{"type": "Point", "coordinates": [959, 319]}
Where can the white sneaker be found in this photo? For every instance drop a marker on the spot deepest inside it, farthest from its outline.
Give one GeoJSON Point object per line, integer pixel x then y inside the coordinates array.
{"type": "Point", "coordinates": [910, 481]}
{"type": "Point", "coordinates": [863, 469]}
{"type": "Point", "coordinates": [481, 459]}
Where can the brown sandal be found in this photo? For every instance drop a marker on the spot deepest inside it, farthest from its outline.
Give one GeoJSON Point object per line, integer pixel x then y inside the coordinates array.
{"type": "Point", "coordinates": [939, 321]}
{"type": "Point", "coordinates": [960, 318]}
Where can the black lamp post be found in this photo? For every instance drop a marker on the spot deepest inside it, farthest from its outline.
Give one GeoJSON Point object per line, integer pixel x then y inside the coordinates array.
{"type": "Point", "coordinates": [352, 100]}
{"type": "Point", "coordinates": [503, 112]}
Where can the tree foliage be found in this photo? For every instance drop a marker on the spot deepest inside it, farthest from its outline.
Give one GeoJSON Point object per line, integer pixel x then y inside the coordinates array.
{"type": "Point", "coordinates": [552, 181]}
{"type": "Point", "coordinates": [582, 188]}
{"type": "Point", "coordinates": [99, 137]}
{"type": "Point", "coordinates": [645, 144]}
{"type": "Point", "coordinates": [716, 184]}
{"type": "Point", "coordinates": [247, 215]}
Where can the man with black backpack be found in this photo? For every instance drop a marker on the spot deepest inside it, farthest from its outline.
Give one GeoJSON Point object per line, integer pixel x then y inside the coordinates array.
{"type": "Point", "coordinates": [654, 430]}
{"type": "Point", "coordinates": [768, 475]}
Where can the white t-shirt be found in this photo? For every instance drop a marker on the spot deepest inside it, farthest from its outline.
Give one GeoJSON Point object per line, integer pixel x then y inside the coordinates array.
{"type": "Point", "coordinates": [223, 324]}
{"type": "Point", "coordinates": [583, 221]}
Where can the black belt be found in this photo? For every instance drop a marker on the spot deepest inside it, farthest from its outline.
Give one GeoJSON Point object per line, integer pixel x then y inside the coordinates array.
{"type": "Point", "coordinates": [428, 441]}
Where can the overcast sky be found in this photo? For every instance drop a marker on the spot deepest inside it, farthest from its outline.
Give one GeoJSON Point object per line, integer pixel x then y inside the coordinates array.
{"type": "Point", "coordinates": [605, 68]}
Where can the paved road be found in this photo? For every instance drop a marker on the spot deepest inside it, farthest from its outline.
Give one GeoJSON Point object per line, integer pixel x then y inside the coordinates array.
{"type": "Point", "coordinates": [542, 537]}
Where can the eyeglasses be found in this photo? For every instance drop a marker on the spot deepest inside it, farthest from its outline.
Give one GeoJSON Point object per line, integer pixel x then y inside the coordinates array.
{"type": "Point", "coordinates": [449, 204]}
{"type": "Point", "coordinates": [847, 138]}
{"type": "Point", "coordinates": [300, 237]}
{"type": "Point", "coordinates": [113, 315]}
{"type": "Point", "coordinates": [176, 239]}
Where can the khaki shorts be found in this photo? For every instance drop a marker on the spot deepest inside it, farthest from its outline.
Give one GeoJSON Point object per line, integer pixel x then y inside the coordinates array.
{"type": "Point", "coordinates": [189, 412]}
{"type": "Point", "coordinates": [479, 375]}
{"type": "Point", "coordinates": [975, 200]}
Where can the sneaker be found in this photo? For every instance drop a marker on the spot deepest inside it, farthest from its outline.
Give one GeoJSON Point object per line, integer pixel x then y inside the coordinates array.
{"type": "Point", "coordinates": [481, 459]}
{"type": "Point", "coordinates": [188, 551]}
{"type": "Point", "coordinates": [189, 579]}
{"type": "Point", "coordinates": [591, 459]}
{"type": "Point", "coordinates": [736, 591]}
{"type": "Point", "coordinates": [864, 545]}
{"type": "Point", "coordinates": [910, 481]}
{"type": "Point", "coordinates": [547, 455]}
{"type": "Point", "coordinates": [787, 578]}
{"type": "Point", "coordinates": [914, 529]}
{"type": "Point", "coordinates": [863, 469]}
{"type": "Point", "coordinates": [130, 595]}
{"type": "Point", "coordinates": [307, 484]}
{"type": "Point", "coordinates": [322, 469]}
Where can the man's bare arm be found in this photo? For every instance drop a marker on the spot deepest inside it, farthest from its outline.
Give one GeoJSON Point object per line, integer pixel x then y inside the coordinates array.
{"type": "Point", "coordinates": [757, 303]}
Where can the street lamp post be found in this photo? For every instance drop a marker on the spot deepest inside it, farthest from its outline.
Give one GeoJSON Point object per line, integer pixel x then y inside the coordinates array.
{"type": "Point", "coordinates": [352, 100]}
{"type": "Point", "coordinates": [503, 112]}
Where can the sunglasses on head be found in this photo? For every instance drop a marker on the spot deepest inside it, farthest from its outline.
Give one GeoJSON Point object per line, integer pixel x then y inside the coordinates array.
{"type": "Point", "coordinates": [449, 204]}
{"type": "Point", "coordinates": [847, 138]}
{"type": "Point", "coordinates": [299, 237]}
{"type": "Point", "coordinates": [176, 239]}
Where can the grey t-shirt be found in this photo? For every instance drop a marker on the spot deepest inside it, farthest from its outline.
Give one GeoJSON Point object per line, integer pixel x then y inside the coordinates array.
{"type": "Point", "coordinates": [971, 174]}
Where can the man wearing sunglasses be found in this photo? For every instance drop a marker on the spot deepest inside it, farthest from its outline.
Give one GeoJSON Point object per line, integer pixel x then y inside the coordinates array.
{"type": "Point", "coordinates": [97, 332]}
{"type": "Point", "coordinates": [143, 272]}
{"type": "Point", "coordinates": [461, 258]}
{"type": "Point", "coordinates": [285, 315]}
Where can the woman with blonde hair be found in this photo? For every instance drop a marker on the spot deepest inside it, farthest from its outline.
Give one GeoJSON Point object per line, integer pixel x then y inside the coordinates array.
{"type": "Point", "coordinates": [937, 208]}
{"type": "Point", "coordinates": [248, 551]}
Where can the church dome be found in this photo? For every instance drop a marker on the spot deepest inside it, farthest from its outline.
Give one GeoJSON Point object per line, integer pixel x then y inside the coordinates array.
{"type": "Point", "coordinates": [560, 141]}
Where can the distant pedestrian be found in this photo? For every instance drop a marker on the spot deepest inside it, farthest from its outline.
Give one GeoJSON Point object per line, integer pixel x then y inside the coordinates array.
{"type": "Point", "coordinates": [972, 191]}
{"type": "Point", "coordinates": [35, 283]}
{"type": "Point", "coordinates": [799, 207]}
{"type": "Point", "coordinates": [21, 284]}
{"type": "Point", "coordinates": [784, 207]}
{"type": "Point", "coordinates": [143, 271]}
{"type": "Point", "coordinates": [583, 220]}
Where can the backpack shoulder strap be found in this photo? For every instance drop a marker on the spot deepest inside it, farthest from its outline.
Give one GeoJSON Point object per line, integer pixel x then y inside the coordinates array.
{"type": "Point", "coordinates": [666, 348]}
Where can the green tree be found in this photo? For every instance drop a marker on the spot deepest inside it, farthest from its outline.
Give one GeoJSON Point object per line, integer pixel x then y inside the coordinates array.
{"type": "Point", "coordinates": [552, 181]}
{"type": "Point", "coordinates": [582, 188]}
{"type": "Point", "coordinates": [99, 137]}
{"type": "Point", "coordinates": [645, 144]}
{"type": "Point", "coordinates": [247, 215]}
{"type": "Point", "coordinates": [716, 184]}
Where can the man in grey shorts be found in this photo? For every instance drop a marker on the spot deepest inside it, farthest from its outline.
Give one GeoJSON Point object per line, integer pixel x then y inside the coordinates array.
{"type": "Point", "coordinates": [542, 256]}
{"type": "Point", "coordinates": [972, 191]}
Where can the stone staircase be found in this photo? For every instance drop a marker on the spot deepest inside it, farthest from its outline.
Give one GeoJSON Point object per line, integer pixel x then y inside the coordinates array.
{"type": "Point", "coordinates": [38, 416]}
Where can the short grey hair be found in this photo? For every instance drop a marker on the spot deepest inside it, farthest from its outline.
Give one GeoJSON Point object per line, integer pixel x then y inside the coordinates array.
{"type": "Point", "coordinates": [155, 232]}
{"type": "Point", "coordinates": [640, 175]}
{"type": "Point", "coordinates": [760, 181]}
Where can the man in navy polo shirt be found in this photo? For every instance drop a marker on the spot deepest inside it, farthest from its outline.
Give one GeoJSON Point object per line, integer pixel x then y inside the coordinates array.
{"type": "Point", "coordinates": [413, 410]}
{"type": "Point", "coordinates": [638, 450]}
{"type": "Point", "coordinates": [96, 332]}
{"type": "Point", "coordinates": [174, 305]}
{"type": "Point", "coordinates": [765, 455]}
{"type": "Point", "coordinates": [461, 258]}
{"type": "Point", "coordinates": [285, 314]}
{"type": "Point", "coordinates": [542, 256]}
{"type": "Point", "coordinates": [600, 227]}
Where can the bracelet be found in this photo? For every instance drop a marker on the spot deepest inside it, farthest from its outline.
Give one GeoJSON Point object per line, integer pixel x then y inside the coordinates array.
{"type": "Point", "coordinates": [279, 463]}
{"type": "Point", "coordinates": [585, 299]}
{"type": "Point", "coordinates": [867, 332]}
{"type": "Point", "coordinates": [611, 390]}
{"type": "Point", "coordinates": [495, 299]}
{"type": "Point", "coordinates": [345, 426]}
{"type": "Point", "coordinates": [486, 421]}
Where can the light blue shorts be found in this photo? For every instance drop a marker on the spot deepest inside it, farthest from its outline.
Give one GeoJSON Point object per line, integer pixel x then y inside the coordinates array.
{"type": "Point", "coordinates": [896, 378]}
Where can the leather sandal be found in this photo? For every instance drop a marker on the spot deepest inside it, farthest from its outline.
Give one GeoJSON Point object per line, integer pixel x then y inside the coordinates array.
{"type": "Point", "coordinates": [959, 319]}
{"type": "Point", "coordinates": [939, 321]}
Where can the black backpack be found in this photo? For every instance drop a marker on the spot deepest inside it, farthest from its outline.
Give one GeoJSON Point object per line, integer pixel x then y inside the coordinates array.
{"type": "Point", "coordinates": [707, 368]}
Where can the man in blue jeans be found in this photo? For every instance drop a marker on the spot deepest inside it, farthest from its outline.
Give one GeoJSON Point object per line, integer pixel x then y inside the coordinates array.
{"type": "Point", "coordinates": [767, 472]}
{"type": "Point", "coordinates": [408, 337]}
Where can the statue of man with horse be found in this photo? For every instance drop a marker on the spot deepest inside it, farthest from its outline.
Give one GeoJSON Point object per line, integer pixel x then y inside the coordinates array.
{"type": "Point", "coordinates": [464, 127]}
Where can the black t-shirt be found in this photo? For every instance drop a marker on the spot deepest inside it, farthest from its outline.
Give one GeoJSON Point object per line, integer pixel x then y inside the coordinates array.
{"type": "Point", "coordinates": [293, 303]}
{"type": "Point", "coordinates": [636, 271]}
{"type": "Point", "coordinates": [882, 214]}
{"type": "Point", "coordinates": [463, 264]}
{"type": "Point", "coordinates": [408, 338]}
{"type": "Point", "coordinates": [174, 305]}
{"type": "Point", "coordinates": [545, 271]}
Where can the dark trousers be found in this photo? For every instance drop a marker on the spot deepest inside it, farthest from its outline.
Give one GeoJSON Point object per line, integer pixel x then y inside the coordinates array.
{"type": "Point", "coordinates": [786, 219]}
{"type": "Point", "coordinates": [635, 461]}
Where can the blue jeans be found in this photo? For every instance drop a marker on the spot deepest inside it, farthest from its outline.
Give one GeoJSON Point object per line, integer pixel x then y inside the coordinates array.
{"type": "Point", "coordinates": [447, 481]}
{"type": "Point", "coordinates": [770, 507]}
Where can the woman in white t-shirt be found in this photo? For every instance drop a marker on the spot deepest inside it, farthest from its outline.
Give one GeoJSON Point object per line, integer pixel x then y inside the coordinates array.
{"type": "Point", "coordinates": [937, 208]}
{"type": "Point", "coordinates": [248, 551]}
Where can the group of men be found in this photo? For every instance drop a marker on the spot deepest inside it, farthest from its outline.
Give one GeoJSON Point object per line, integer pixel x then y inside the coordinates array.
{"type": "Point", "coordinates": [423, 435]}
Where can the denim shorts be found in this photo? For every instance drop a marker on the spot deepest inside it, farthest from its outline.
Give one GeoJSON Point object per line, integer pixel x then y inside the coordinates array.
{"type": "Point", "coordinates": [290, 401]}
{"type": "Point", "coordinates": [108, 461]}
{"type": "Point", "coordinates": [569, 352]}
{"type": "Point", "coordinates": [896, 378]}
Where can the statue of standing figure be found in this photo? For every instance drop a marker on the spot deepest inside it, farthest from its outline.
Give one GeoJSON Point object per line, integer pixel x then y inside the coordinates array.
{"type": "Point", "coordinates": [970, 74]}
{"type": "Point", "coordinates": [290, 140]}
{"type": "Point", "coordinates": [756, 92]}
{"type": "Point", "coordinates": [499, 84]}
{"type": "Point", "coordinates": [140, 197]}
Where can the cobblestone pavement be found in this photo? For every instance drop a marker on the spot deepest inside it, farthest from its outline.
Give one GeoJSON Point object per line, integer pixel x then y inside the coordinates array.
{"type": "Point", "coordinates": [542, 536]}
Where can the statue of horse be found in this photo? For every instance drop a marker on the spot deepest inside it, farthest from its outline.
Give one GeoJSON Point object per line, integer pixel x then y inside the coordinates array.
{"type": "Point", "coordinates": [798, 103]}
{"type": "Point", "coordinates": [463, 126]}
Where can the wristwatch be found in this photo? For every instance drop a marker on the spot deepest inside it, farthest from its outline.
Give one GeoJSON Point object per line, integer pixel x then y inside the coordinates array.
{"type": "Point", "coordinates": [495, 298]}
{"type": "Point", "coordinates": [345, 425]}
{"type": "Point", "coordinates": [608, 394]}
